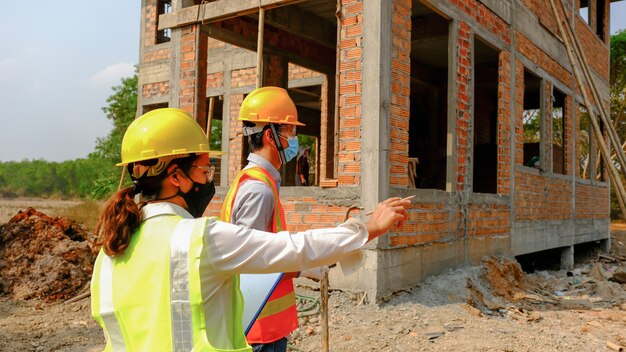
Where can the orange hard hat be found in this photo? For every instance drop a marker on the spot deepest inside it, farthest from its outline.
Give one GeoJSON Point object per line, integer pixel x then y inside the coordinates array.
{"type": "Point", "coordinates": [269, 105]}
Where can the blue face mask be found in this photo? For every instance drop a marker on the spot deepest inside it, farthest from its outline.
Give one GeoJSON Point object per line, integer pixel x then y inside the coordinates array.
{"type": "Point", "coordinates": [292, 150]}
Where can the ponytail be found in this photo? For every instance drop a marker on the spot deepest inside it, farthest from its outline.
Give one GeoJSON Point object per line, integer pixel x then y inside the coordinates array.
{"type": "Point", "coordinates": [120, 218]}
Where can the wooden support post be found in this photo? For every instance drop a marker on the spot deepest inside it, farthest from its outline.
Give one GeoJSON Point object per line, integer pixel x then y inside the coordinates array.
{"type": "Point", "coordinates": [259, 49]}
{"type": "Point", "coordinates": [606, 155]}
{"type": "Point", "coordinates": [324, 312]}
{"type": "Point", "coordinates": [209, 119]}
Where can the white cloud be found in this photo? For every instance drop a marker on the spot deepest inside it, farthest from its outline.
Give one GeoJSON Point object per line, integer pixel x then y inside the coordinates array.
{"type": "Point", "coordinates": [8, 62]}
{"type": "Point", "coordinates": [32, 51]}
{"type": "Point", "coordinates": [111, 75]}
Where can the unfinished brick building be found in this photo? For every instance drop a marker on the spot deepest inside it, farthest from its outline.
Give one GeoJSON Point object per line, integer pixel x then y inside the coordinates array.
{"type": "Point", "coordinates": [470, 105]}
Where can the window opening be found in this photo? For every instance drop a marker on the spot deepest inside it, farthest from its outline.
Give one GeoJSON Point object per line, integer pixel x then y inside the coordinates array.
{"type": "Point", "coordinates": [148, 108]}
{"type": "Point", "coordinates": [584, 12]}
{"type": "Point", "coordinates": [531, 119]}
{"type": "Point", "coordinates": [558, 132]}
{"type": "Point", "coordinates": [485, 161]}
{"type": "Point", "coordinates": [164, 35]}
{"type": "Point", "coordinates": [214, 119]}
{"type": "Point", "coordinates": [584, 143]}
{"type": "Point", "coordinates": [428, 122]}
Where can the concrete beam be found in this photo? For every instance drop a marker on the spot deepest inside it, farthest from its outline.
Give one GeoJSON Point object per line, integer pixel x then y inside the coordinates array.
{"type": "Point", "coordinates": [425, 28]}
{"type": "Point", "coordinates": [217, 11]}
{"type": "Point", "coordinates": [242, 32]}
{"type": "Point", "coordinates": [303, 23]}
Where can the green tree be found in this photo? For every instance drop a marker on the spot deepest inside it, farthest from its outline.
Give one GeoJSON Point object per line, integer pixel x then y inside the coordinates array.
{"type": "Point", "coordinates": [618, 96]}
{"type": "Point", "coordinates": [121, 111]}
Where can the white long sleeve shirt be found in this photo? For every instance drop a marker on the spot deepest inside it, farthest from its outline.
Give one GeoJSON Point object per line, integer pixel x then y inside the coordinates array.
{"type": "Point", "coordinates": [230, 250]}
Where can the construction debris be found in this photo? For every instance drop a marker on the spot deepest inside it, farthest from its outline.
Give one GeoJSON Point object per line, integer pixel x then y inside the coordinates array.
{"type": "Point", "coordinates": [44, 257]}
{"type": "Point", "coordinates": [504, 289]}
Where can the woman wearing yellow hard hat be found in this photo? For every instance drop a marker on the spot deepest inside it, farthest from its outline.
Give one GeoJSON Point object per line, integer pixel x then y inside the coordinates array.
{"type": "Point", "coordinates": [166, 280]}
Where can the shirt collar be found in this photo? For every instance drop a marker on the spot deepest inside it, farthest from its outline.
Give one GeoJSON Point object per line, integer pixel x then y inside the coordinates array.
{"type": "Point", "coordinates": [152, 210]}
{"type": "Point", "coordinates": [257, 160]}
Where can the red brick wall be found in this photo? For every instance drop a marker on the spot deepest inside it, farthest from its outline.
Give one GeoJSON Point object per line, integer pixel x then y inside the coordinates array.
{"type": "Point", "coordinates": [400, 93]}
{"type": "Point", "coordinates": [299, 72]}
{"type": "Point", "coordinates": [488, 220]}
{"type": "Point", "coordinates": [215, 80]}
{"type": "Point", "coordinates": [543, 10]}
{"type": "Point", "coordinates": [243, 77]}
{"type": "Point", "coordinates": [427, 222]}
{"type": "Point", "coordinates": [302, 213]}
{"type": "Point", "coordinates": [595, 51]}
{"type": "Point", "coordinates": [543, 60]}
{"type": "Point", "coordinates": [591, 201]}
{"type": "Point", "coordinates": [568, 134]}
{"type": "Point", "coordinates": [149, 31]}
{"type": "Point", "coordinates": [485, 18]}
{"type": "Point", "coordinates": [463, 78]}
{"type": "Point", "coordinates": [154, 90]}
{"type": "Point", "coordinates": [504, 123]}
{"type": "Point", "coordinates": [350, 83]}
{"type": "Point", "coordinates": [235, 149]}
{"type": "Point", "coordinates": [193, 50]}
{"type": "Point", "coordinates": [519, 112]}
{"type": "Point", "coordinates": [156, 55]}
{"type": "Point", "coordinates": [539, 197]}
{"type": "Point", "coordinates": [437, 222]}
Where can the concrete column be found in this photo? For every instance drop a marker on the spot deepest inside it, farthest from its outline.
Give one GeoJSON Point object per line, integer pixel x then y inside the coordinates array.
{"type": "Point", "coordinates": [226, 113]}
{"type": "Point", "coordinates": [376, 101]}
{"type": "Point", "coordinates": [376, 112]}
{"type": "Point", "coordinates": [605, 245]}
{"type": "Point", "coordinates": [142, 43]}
{"type": "Point", "coordinates": [567, 258]}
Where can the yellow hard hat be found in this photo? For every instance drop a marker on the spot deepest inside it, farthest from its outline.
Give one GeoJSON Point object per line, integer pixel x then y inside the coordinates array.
{"type": "Point", "coordinates": [269, 105]}
{"type": "Point", "coordinates": [163, 133]}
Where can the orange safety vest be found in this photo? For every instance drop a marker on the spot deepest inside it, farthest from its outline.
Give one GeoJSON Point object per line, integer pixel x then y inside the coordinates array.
{"type": "Point", "coordinates": [279, 317]}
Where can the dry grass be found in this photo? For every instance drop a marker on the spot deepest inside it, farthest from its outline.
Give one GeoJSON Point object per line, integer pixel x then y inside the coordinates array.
{"type": "Point", "coordinates": [85, 213]}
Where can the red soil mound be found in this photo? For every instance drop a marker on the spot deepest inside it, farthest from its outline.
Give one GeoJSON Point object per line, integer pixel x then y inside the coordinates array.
{"type": "Point", "coordinates": [44, 257]}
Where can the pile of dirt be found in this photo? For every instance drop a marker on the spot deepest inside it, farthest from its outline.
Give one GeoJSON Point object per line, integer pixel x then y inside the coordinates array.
{"type": "Point", "coordinates": [43, 257]}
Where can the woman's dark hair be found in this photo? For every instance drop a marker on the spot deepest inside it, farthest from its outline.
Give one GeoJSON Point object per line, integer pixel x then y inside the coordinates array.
{"type": "Point", "coordinates": [122, 216]}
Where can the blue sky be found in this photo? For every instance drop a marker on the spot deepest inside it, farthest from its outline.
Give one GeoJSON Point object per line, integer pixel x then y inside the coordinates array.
{"type": "Point", "coordinates": [58, 63]}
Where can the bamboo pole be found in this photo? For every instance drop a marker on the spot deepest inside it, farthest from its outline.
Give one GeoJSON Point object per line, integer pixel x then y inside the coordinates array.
{"type": "Point", "coordinates": [209, 119]}
{"type": "Point", "coordinates": [259, 49]}
{"type": "Point", "coordinates": [324, 313]}
{"type": "Point", "coordinates": [613, 174]}
{"type": "Point", "coordinates": [613, 136]}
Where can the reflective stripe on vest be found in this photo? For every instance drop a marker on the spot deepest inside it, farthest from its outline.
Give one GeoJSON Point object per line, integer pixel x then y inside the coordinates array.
{"type": "Point", "coordinates": [107, 312]}
{"type": "Point", "coordinates": [182, 329]}
{"type": "Point", "coordinates": [279, 316]}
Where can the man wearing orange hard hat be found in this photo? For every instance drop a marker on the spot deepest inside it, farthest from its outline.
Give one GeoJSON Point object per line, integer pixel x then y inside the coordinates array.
{"type": "Point", "coordinates": [270, 118]}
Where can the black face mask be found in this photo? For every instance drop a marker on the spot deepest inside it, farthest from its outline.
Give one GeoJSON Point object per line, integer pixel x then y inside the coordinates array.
{"type": "Point", "coordinates": [198, 197]}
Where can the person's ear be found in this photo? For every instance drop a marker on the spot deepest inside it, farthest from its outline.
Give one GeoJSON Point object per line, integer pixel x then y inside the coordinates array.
{"type": "Point", "coordinates": [173, 177]}
{"type": "Point", "coordinates": [267, 135]}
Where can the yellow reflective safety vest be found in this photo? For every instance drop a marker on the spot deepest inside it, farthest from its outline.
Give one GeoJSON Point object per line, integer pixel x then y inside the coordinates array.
{"type": "Point", "coordinates": [279, 317]}
{"type": "Point", "coordinates": [150, 297]}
